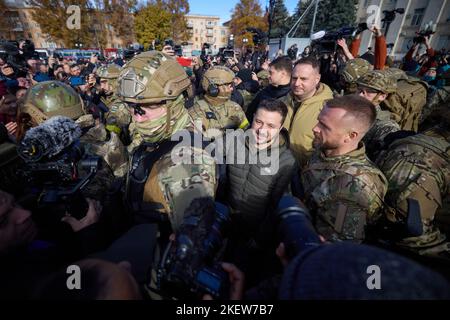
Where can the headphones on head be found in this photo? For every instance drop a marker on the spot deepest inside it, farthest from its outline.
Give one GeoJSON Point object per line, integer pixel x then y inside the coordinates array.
{"type": "Point", "coordinates": [213, 89]}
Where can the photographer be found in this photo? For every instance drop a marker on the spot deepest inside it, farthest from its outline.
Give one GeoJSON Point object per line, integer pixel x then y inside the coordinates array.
{"type": "Point", "coordinates": [380, 47]}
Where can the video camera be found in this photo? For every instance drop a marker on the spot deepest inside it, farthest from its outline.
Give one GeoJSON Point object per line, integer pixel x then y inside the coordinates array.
{"type": "Point", "coordinates": [325, 42]}
{"type": "Point", "coordinates": [295, 229]}
{"type": "Point", "coordinates": [429, 29]}
{"type": "Point", "coordinates": [17, 54]}
{"type": "Point", "coordinates": [190, 265]}
{"type": "Point", "coordinates": [55, 163]}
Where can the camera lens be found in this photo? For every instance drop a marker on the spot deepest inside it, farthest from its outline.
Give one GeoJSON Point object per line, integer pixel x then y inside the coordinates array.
{"type": "Point", "coordinates": [295, 228]}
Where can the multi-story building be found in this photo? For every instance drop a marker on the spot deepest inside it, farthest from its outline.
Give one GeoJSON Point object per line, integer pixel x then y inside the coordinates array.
{"type": "Point", "coordinates": [402, 30]}
{"type": "Point", "coordinates": [205, 29]}
{"type": "Point", "coordinates": [20, 24]}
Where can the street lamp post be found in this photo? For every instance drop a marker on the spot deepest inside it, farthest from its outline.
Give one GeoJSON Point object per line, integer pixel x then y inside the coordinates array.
{"type": "Point", "coordinates": [245, 41]}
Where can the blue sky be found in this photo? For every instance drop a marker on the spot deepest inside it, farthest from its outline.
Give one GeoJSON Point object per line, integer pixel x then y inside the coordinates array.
{"type": "Point", "coordinates": [223, 8]}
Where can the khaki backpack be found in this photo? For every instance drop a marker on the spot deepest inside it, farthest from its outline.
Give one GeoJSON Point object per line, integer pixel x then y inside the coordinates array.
{"type": "Point", "coordinates": [407, 102]}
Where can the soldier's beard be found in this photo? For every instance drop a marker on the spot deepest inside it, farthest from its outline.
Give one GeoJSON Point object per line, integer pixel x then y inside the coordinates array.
{"type": "Point", "coordinates": [318, 144]}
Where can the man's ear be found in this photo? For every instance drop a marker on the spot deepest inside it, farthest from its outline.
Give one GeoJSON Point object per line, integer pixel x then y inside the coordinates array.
{"type": "Point", "coordinates": [382, 97]}
{"type": "Point", "coordinates": [318, 77]}
{"type": "Point", "coordinates": [352, 136]}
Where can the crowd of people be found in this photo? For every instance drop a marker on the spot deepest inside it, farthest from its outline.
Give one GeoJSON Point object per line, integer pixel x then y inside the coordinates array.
{"type": "Point", "coordinates": [354, 148]}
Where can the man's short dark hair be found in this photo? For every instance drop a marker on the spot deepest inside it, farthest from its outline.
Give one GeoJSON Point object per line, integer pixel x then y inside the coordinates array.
{"type": "Point", "coordinates": [313, 62]}
{"type": "Point", "coordinates": [283, 63]}
{"type": "Point", "coordinates": [274, 105]}
{"type": "Point", "coordinates": [358, 107]}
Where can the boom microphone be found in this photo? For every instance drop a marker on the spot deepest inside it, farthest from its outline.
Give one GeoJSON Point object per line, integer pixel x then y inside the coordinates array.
{"type": "Point", "coordinates": [48, 139]}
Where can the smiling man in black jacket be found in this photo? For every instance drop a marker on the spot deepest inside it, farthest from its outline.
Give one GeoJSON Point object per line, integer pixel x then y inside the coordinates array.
{"type": "Point", "coordinates": [279, 84]}
{"type": "Point", "coordinates": [259, 168]}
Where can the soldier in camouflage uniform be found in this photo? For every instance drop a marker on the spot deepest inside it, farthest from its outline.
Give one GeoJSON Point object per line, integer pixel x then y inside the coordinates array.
{"type": "Point", "coordinates": [342, 187]}
{"type": "Point", "coordinates": [375, 86]}
{"type": "Point", "coordinates": [47, 99]}
{"type": "Point", "coordinates": [263, 79]}
{"type": "Point", "coordinates": [118, 118]}
{"type": "Point", "coordinates": [418, 167]}
{"type": "Point", "coordinates": [436, 98]}
{"type": "Point", "coordinates": [158, 187]}
{"type": "Point", "coordinates": [352, 71]}
{"type": "Point", "coordinates": [215, 112]}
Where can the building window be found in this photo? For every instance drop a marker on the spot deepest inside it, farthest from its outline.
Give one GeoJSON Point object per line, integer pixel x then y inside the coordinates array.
{"type": "Point", "coordinates": [407, 43]}
{"type": "Point", "coordinates": [418, 17]}
{"type": "Point", "coordinates": [196, 38]}
{"type": "Point", "coordinates": [443, 43]}
{"type": "Point", "coordinates": [366, 3]}
{"type": "Point", "coordinates": [222, 32]}
{"type": "Point", "coordinates": [196, 31]}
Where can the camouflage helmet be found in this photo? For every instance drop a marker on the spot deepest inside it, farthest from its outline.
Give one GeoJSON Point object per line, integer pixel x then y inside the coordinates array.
{"type": "Point", "coordinates": [52, 98]}
{"type": "Point", "coordinates": [263, 75]}
{"type": "Point", "coordinates": [354, 69]}
{"type": "Point", "coordinates": [152, 77]}
{"type": "Point", "coordinates": [217, 75]}
{"type": "Point", "coordinates": [378, 80]}
{"type": "Point", "coordinates": [110, 71]}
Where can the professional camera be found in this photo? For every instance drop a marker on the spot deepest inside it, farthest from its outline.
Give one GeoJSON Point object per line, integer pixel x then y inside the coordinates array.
{"type": "Point", "coordinates": [190, 265]}
{"type": "Point", "coordinates": [226, 53]}
{"type": "Point", "coordinates": [55, 164]}
{"type": "Point", "coordinates": [17, 54]}
{"type": "Point", "coordinates": [325, 42]}
{"type": "Point", "coordinates": [429, 29]}
{"type": "Point", "coordinates": [295, 229]}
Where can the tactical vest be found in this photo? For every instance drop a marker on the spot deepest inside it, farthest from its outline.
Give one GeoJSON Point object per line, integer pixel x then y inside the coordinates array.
{"type": "Point", "coordinates": [141, 164]}
{"type": "Point", "coordinates": [407, 102]}
{"type": "Point", "coordinates": [214, 119]}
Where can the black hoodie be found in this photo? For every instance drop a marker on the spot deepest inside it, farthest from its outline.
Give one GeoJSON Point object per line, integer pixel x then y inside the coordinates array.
{"type": "Point", "coordinates": [268, 92]}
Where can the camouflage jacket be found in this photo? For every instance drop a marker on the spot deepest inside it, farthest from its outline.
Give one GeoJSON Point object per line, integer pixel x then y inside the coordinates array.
{"type": "Point", "coordinates": [97, 141]}
{"type": "Point", "coordinates": [418, 167]}
{"type": "Point", "coordinates": [345, 193]}
{"type": "Point", "coordinates": [374, 138]}
{"type": "Point", "coordinates": [216, 119]}
{"type": "Point", "coordinates": [176, 178]}
{"type": "Point", "coordinates": [248, 97]}
{"type": "Point", "coordinates": [118, 118]}
{"type": "Point", "coordinates": [435, 99]}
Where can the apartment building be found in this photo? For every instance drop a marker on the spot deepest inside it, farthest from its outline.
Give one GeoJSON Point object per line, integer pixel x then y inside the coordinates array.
{"type": "Point", "coordinates": [205, 29]}
{"type": "Point", "coordinates": [402, 30]}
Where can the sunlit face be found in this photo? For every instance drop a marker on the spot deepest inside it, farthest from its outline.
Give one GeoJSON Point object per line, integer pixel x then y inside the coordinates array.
{"type": "Point", "coordinates": [329, 132]}
{"type": "Point", "coordinates": [152, 112]}
{"type": "Point", "coordinates": [276, 77]}
{"type": "Point", "coordinates": [304, 80]}
{"type": "Point", "coordinates": [106, 86]}
{"type": "Point", "coordinates": [371, 94]}
{"type": "Point", "coordinates": [266, 126]}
